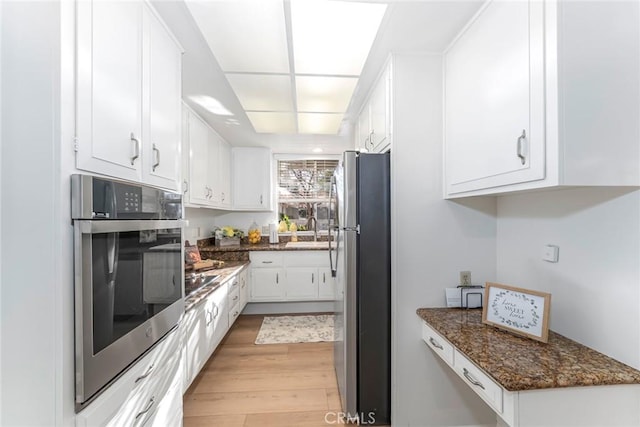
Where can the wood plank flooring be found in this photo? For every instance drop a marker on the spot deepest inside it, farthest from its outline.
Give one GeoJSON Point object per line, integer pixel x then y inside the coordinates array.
{"type": "Point", "coordinates": [248, 385]}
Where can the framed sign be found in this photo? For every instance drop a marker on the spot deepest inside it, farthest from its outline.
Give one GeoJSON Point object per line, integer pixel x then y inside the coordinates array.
{"type": "Point", "coordinates": [520, 311]}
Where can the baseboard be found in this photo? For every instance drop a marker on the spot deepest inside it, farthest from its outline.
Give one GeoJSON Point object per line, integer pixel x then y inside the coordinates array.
{"type": "Point", "coordinates": [289, 307]}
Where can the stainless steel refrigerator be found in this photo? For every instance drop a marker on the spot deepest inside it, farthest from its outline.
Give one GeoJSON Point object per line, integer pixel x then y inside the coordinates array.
{"type": "Point", "coordinates": [361, 263]}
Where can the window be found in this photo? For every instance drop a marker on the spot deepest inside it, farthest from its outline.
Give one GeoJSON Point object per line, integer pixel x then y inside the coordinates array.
{"type": "Point", "coordinates": [303, 191]}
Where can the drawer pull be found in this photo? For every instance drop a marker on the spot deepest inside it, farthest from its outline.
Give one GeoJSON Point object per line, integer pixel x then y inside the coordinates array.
{"type": "Point", "coordinates": [145, 375]}
{"type": "Point", "coordinates": [471, 379]}
{"type": "Point", "coordinates": [234, 283]}
{"type": "Point", "coordinates": [435, 343]}
{"type": "Point", "coordinates": [267, 262]}
{"type": "Point", "coordinates": [147, 409]}
{"type": "Point", "coordinates": [235, 298]}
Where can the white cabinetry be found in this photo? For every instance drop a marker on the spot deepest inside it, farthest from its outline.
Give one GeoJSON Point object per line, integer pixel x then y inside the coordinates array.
{"type": "Point", "coordinates": [143, 395]}
{"type": "Point", "coordinates": [207, 163]}
{"type": "Point", "coordinates": [374, 121]}
{"type": "Point", "coordinates": [223, 185]}
{"type": "Point", "coordinates": [524, 104]}
{"type": "Point", "coordinates": [291, 276]}
{"type": "Point", "coordinates": [252, 178]}
{"type": "Point", "coordinates": [128, 93]}
{"type": "Point", "coordinates": [205, 326]}
{"type": "Point", "coordinates": [542, 407]}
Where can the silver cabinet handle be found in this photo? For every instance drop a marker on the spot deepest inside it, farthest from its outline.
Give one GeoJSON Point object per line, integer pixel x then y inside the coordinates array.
{"type": "Point", "coordinates": [147, 409]}
{"type": "Point", "coordinates": [209, 317]}
{"type": "Point", "coordinates": [371, 139]}
{"type": "Point", "coordinates": [267, 262]}
{"type": "Point", "coordinates": [223, 197]}
{"type": "Point", "coordinates": [261, 199]}
{"type": "Point", "coordinates": [235, 298]}
{"type": "Point", "coordinates": [185, 185]}
{"type": "Point", "coordinates": [471, 379]}
{"type": "Point", "coordinates": [234, 283]}
{"type": "Point", "coordinates": [519, 147]}
{"type": "Point", "coordinates": [312, 278]}
{"type": "Point", "coordinates": [157, 163]}
{"type": "Point", "coordinates": [435, 343]}
{"type": "Point", "coordinates": [145, 375]}
{"type": "Point", "coordinates": [324, 277]}
{"type": "Point", "coordinates": [136, 147]}
{"type": "Point", "coordinates": [217, 311]}
{"type": "Point", "coordinates": [277, 278]}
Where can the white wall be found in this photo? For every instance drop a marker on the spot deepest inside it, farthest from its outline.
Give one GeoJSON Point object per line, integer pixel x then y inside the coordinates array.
{"type": "Point", "coordinates": [432, 240]}
{"type": "Point", "coordinates": [595, 286]}
{"type": "Point", "coordinates": [32, 356]}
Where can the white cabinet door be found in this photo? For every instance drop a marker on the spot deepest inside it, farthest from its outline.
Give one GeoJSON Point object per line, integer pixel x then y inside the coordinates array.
{"type": "Point", "coordinates": [162, 145]}
{"type": "Point", "coordinates": [109, 88]}
{"type": "Point", "coordinates": [267, 284]}
{"type": "Point", "coordinates": [220, 319]}
{"type": "Point", "coordinates": [199, 188]}
{"type": "Point", "coordinates": [214, 142]}
{"type": "Point", "coordinates": [301, 284]}
{"type": "Point", "coordinates": [363, 134]}
{"type": "Point", "coordinates": [244, 288]}
{"type": "Point", "coordinates": [379, 113]}
{"type": "Point", "coordinates": [494, 99]}
{"type": "Point", "coordinates": [252, 177]}
{"type": "Point", "coordinates": [326, 285]}
{"type": "Point", "coordinates": [224, 174]}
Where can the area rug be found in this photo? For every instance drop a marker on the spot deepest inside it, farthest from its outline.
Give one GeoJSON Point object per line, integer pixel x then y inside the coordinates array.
{"type": "Point", "coordinates": [294, 329]}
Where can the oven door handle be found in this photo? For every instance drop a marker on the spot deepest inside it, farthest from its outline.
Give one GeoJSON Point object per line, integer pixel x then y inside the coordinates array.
{"type": "Point", "coordinates": [123, 226]}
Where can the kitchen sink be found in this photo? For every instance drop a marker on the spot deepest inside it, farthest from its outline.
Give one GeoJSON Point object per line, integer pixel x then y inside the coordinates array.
{"type": "Point", "coordinates": [311, 245]}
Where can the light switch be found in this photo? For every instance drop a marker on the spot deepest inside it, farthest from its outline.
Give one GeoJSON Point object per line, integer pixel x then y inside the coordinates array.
{"type": "Point", "coordinates": [550, 253]}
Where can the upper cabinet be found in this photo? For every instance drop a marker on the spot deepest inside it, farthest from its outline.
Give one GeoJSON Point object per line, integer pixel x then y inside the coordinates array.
{"type": "Point", "coordinates": [128, 93]}
{"type": "Point", "coordinates": [527, 105]}
{"type": "Point", "coordinates": [251, 178]}
{"type": "Point", "coordinates": [374, 121]}
{"type": "Point", "coordinates": [206, 163]}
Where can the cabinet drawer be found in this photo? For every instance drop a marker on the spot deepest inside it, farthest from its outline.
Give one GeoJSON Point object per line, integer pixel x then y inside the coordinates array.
{"type": "Point", "coordinates": [265, 259]}
{"type": "Point", "coordinates": [439, 345]}
{"type": "Point", "coordinates": [480, 382]}
{"type": "Point", "coordinates": [306, 259]}
{"type": "Point", "coordinates": [234, 312]}
{"type": "Point", "coordinates": [234, 295]}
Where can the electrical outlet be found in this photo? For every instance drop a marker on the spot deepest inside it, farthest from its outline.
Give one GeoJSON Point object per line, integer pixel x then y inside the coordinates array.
{"type": "Point", "coordinates": [465, 278]}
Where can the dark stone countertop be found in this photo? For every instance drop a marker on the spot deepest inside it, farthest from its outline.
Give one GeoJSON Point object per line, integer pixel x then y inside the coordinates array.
{"type": "Point", "coordinates": [258, 247]}
{"type": "Point", "coordinates": [229, 269]}
{"type": "Point", "coordinates": [520, 364]}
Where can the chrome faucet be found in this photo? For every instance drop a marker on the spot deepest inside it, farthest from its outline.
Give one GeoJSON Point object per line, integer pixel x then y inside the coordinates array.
{"type": "Point", "coordinates": [315, 227]}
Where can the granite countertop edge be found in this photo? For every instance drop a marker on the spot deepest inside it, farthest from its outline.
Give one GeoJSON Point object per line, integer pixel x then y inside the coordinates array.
{"type": "Point", "coordinates": [225, 273]}
{"type": "Point", "coordinates": [258, 247]}
{"type": "Point", "coordinates": [524, 364]}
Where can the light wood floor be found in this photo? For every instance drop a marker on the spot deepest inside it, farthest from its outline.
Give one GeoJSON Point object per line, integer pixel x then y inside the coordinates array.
{"type": "Point", "coordinates": [248, 385]}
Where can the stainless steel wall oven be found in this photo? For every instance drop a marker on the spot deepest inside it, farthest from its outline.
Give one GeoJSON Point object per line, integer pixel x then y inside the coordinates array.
{"type": "Point", "coordinates": [129, 292]}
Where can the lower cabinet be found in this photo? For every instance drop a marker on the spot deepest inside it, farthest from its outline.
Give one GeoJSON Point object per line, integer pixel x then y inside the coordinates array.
{"type": "Point", "coordinates": [205, 326]}
{"type": "Point", "coordinates": [291, 276]}
{"type": "Point", "coordinates": [143, 395]}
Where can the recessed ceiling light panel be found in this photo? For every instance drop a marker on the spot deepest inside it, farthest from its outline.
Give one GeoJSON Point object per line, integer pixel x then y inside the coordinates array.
{"type": "Point", "coordinates": [317, 123]}
{"type": "Point", "coordinates": [259, 92]}
{"type": "Point", "coordinates": [333, 37]}
{"type": "Point", "coordinates": [244, 35]}
{"type": "Point", "coordinates": [272, 122]}
{"type": "Point", "coordinates": [324, 94]}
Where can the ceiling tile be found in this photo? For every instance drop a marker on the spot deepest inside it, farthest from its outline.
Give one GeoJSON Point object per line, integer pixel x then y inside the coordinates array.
{"type": "Point", "coordinates": [272, 122]}
{"type": "Point", "coordinates": [348, 30]}
{"type": "Point", "coordinates": [259, 92]}
{"type": "Point", "coordinates": [319, 123]}
{"type": "Point", "coordinates": [324, 94]}
{"type": "Point", "coordinates": [244, 35]}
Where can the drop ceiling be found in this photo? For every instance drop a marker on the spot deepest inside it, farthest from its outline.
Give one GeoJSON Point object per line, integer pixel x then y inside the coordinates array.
{"type": "Point", "coordinates": [284, 97]}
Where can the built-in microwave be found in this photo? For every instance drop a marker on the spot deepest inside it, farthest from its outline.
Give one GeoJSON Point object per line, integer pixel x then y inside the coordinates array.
{"type": "Point", "coordinates": [129, 291]}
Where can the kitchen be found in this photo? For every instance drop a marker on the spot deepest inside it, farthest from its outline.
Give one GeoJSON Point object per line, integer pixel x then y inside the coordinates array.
{"type": "Point", "coordinates": [498, 238]}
